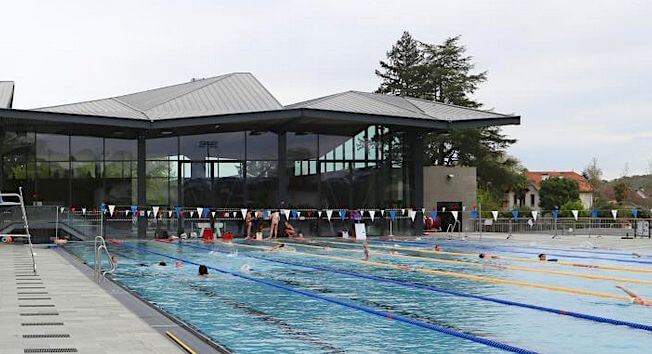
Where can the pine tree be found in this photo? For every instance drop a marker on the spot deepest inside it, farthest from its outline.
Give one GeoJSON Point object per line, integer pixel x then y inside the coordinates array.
{"type": "Point", "coordinates": [402, 72]}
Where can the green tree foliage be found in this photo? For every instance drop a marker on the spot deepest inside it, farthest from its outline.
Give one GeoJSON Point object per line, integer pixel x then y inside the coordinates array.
{"type": "Point", "coordinates": [556, 192]}
{"type": "Point", "coordinates": [593, 174]}
{"type": "Point", "coordinates": [444, 73]}
{"type": "Point", "coordinates": [566, 208]}
{"type": "Point", "coordinates": [621, 189]}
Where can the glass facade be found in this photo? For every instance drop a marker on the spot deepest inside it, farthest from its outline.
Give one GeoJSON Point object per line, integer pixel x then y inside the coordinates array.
{"type": "Point", "coordinates": [364, 169]}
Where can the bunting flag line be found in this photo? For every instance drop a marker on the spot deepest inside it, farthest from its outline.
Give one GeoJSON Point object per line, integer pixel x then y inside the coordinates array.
{"type": "Point", "coordinates": [111, 209]}
{"type": "Point", "coordinates": [494, 213]}
{"type": "Point", "coordinates": [329, 213]}
{"type": "Point", "coordinates": [213, 214]}
{"type": "Point", "coordinates": [169, 213]}
{"type": "Point", "coordinates": [134, 209]}
{"type": "Point", "coordinates": [343, 214]}
{"type": "Point", "coordinates": [372, 213]}
{"type": "Point", "coordinates": [244, 213]}
{"type": "Point", "coordinates": [84, 211]}
{"type": "Point", "coordinates": [319, 214]}
{"type": "Point", "coordinates": [200, 212]}
{"type": "Point", "coordinates": [576, 214]}
{"type": "Point", "coordinates": [535, 214]}
{"type": "Point", "coordinates": [298, 214]}
{"type": "Point", "coordinates": [382, 212]}
{"type": "Point", "coordinates": [62, 209]}
{"type": "Point", "coordinates": [149, 213]}
{"type": "Point", "coordinates": [474, 214]}
{"type": "Point", "coordinates": [156, 210]}
{"type": "Point", "coordinates": [594, 213]}
{"type": "Point", "coordinates": [127, 212]}
{"type": "Point", "coordinates": [634, 212]}
{"type": "Point", "coordinates": [286, 212]}
{"type": "Point", "coordinates": [402, 211]}
{"type": "Point", "coordinates": [555, 214]}
{"type": "Point", "coordinates": [455, 214]}
{"type": "Point", "coordinates": [614, 213]}
{"type": "Point", "coordinates": [515, 214]}
{"type": "Point", "coordinates": [392, 215]}
{"type": "Point", "coordinates": [412, 214]}
{"type": "Point", "coordinates": [463, 208]}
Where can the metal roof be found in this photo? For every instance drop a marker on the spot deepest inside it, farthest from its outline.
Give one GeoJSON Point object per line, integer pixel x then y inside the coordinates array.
{"type": "Point", "coordinates": [380, 104]}
{"type": "Point", "coordinates": [220, 95]}
{"type": "Point", "coordinates": [6, 94]}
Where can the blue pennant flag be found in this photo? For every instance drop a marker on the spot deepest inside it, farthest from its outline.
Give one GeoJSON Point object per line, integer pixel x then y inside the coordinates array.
{"type": "Point", "coordinates": [343, 214]}
{"type": "Point", "coordinates": [103, 207]}
{"type": "Point", "coordinates": [594, 213]}
{"type": "Point", "coordinates": [515, 213]}
{"type": "Point", "coordinates": [555, 214]}
{"type": "Point", "coordinates": [178, 211]}
{"type": "Point", "coordinates": [293, 214]}
{"type": "Point", "coordinates": [134, 209]}
{"type": "Point", "coordinates": [266, 214]}
{"type": "Point", "coordinates": [433, 214]}
{"type": "Point", "coordinates": [392, 215]}
{"type": "Point", "coordinates": [634, 212]}
{"type": "Point", "coordinates": [474, 214]}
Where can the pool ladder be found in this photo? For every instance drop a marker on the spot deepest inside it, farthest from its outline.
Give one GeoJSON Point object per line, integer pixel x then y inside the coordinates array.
{"type": "Point", "coordinates": [100, 248]}
{"type": "Point", "coordinates": [450, 229]}
{"type": "Point", "coordinates": [20, 202]}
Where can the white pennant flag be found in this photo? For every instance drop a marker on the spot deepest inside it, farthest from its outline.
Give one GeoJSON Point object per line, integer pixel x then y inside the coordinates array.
{"type": "Point", "coordinates": [423, 211]}
{"type": "Point", "coordinates": [111, 209]}
{"type": "Point", "coordinates": [84, 211]}
{"type": "Point", "coordinates": [286, 212]}
{"type": "Point", "coordinates": [298, 214]}
{"type": "Point", "coordinates": [149, 213]}
{"type": "Point", "coordinates": [126, 212]}
{"type": "Point", "coordinates": [200, 212]}
{"type": "Point", "coordinates": [412, 214]}
{"type": "Point", "coordinates": [443, 210]}
{"type": "Point", "coordinates": [614, 213]}
{"type": "Point", "coordinates": [463, 208]}
{"type": "Point", "coordinates": [382, 212]}
{"type": "Point", "coordinates": [319, 214]}
{"type": "Point", "coordinates": [329, 213]}
{"type": "Point", "coordinates": [244, 213]}
{"type": "Point", "coordinates": [402, 211]}
{"type": "Point", "coordinates": [495, 214]}
{"type": "Point", "coordinates": [63, 209]}
{"type": "Point", "coordinates": [372, 213]}
{"type": "Point", "coordinates": [213, 214]}
{"type": "Point", "coordinates": [156, 209]}
{"type": "Point", "coordinates": [576, 213]}
{"type": "Point", "coordinates": [535, 214]}
{"type": "Point", "coordinates": [169, 213]}
{"type": "Point", "coordinates": [454, 212]}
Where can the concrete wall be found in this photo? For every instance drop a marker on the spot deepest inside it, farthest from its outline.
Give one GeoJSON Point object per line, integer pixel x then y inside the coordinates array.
{"type": "Point", "coordinates": [439, 187]}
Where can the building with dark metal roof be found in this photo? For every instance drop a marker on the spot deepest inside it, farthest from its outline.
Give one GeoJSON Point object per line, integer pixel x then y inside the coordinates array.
{"type": "Point", "coordinates": [226, 142]}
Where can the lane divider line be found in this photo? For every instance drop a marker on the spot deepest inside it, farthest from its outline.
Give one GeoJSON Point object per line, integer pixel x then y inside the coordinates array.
{"type": "Point", "coordinates": [180, 343]}
{"type": "Point", "coordinates": [439, 290]}
{"type": "Point", "coordinates": [352, 305]}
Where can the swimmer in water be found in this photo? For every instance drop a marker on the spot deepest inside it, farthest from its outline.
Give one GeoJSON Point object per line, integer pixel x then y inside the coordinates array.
{"type": "Point", "coordinates": [246, 268]}
{"type": "Point", "coordinates": [543, 257]}
{"type": "Point", "coordinates": [488, 256]}
{"type": "Point", "coordinates": [178, 264]}
{"type": "Point", "coordinates": [162, 264]}
{"type": "Point", "coordinates": [366, 251]}
{"type": "Point", "coordinates": [203, 271]}
{"type": "Point", "coordinates": [276, 248]}
{"type": "Point", "coordinates": [437, 248]}
{"type": "Point", "coordinates": [636, 298]}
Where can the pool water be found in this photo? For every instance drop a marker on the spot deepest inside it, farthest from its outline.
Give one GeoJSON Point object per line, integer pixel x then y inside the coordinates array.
{"type": "Point", "coordinates": [258, 314]}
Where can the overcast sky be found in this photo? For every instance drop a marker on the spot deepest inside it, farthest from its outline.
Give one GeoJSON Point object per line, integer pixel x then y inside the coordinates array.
{"type": "Point", "coordinates": [577, 72]}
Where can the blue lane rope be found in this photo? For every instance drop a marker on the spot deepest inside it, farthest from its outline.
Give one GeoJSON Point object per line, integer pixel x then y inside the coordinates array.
{"type": "Point", "coordinates": [448, 292]}
{"type": "Point", "coordinates": [498, 249]}
{"type": "Point", "coordinates": [370, 310]}
{"type": "Point", "coordinates": [613, 253]}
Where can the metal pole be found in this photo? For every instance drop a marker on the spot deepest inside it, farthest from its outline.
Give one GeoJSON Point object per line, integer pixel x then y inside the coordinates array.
{"type": "Point", "coordinates": [56, 227]}
{"type": "Point", "coordinates": [480, 219]}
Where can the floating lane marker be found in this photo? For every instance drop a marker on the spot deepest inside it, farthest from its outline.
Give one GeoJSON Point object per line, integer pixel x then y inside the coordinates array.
{"type": "Point", "coordinates": [352, 305]}
{"type": "Point", "coordinates": [439, 290]}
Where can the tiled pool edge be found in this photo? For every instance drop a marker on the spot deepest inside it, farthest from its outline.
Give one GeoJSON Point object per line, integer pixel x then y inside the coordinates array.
{"type": "Point", "coordinates": [155, 317]}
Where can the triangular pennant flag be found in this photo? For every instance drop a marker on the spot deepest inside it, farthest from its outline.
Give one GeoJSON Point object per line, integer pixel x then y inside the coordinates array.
{"type": "Point", "coordinates": [178, 210]}
{"type": "Point", "coordinates": [454, 212]}
{"type": "Point", "coordinates": [474, 214]}
{"type": "Point", "coordinates": [298, 214]}
{"type": "Point", "coordinates": [111, 209]}
{"type": "Point", "coordinates": [213, 214]}
{"type": "Point", "coordinates": [244, 213]}
{"type": "Point", "coordinates": [412, 214]}
{"type": "Point", "coordinates": [392, 215]}
{"type": "Point", "coordinates": [433, 214]}
{"type": "Point", "coordinates": [372, 213]}
{"type": "Point", "coordinates": [382, 212]}
{"type": "Point", "coordinates": [614, 213]}
{"type": "Point", "coordinates": [423, 211]}
{"type": "Point", "coordinates": [84, 211]}
{"type": "Point", "coordinates": [555, 214]}
{"type": "Point", "coordinates": [535, 214]}
{"type": "Point", "coordinates": [443, 210]}
{"type": "Point", "coordinates": [634, 212]}
{"type": "Point", "coordinates": [156, 210]}
{"type": "Point", "coordinates": [494, 213]}
{"type": "Point", "coordinates": [343, 214]}
{"type": "Point", "coordinates": [594, 213]}
{"type": "Point", "coordinates": [463, 208]}
{"type": "Point", "coordinates": [169, 213]}
{"type": "Point", "coordinates": [286, 212]}
{"type": "Point", "coordinates": [149, 213]}
{"type": "Point", "coordinates": [200, 212]}
{"type": "Point", "coordinates": [515, 213]}
{"type": "Point", "coordinates": [63, 209]}
{"type": "Point", "coordinates": [576, 214]}
{"type": "Point", "coordinates": [126, 212]}
{"type": "Point", "coordinates": [402, 211]}
{"type": "Point", "coordinates": [329, 213]}
{"type": "Point", "coordinates": [319, 214]}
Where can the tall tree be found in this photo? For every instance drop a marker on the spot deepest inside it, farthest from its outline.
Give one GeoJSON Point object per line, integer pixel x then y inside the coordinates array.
{"type": "Point", "coordinates": [593, 174]}
{"type": "Point", "coordinates": [444, 73]}
{"type": "Point", "coordinates": [556, 192]}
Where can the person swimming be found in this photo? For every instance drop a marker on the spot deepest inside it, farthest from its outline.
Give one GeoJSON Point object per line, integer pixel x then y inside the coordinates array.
{"type": "Point", "coordinates": [543, 257]}
{"type": "Point", "coordinates": [635, 298]}
{"type": "Point", "coordinates": [162, 264]}
{"type": "Point", "coordinates": [488, 256]}
{"type": "Point", "coordinates": [246, 268]}
{"type": "Point", "coordinates": [365, 246]}
{"type": "Point", "coordinates": [203, 271]}
{"type": "Point", "coordinates": [276, 248]}
{"type": "Point", "coordinates": [438, 248]}
{"type": "Point", "coordinates": [178, 264]}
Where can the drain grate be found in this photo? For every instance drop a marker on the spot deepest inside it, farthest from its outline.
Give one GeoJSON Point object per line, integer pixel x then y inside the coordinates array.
{"type": "Point", "coordinates": [42, 324]}
{"type": "Point", "coordinates": [34, 298]}
{"type": "Point", "coordinates": [32, 293]}
{"type": "Point", "coordinates": [50, 350]}
{"type": "Point", "coordinates": [40, 314]}
{"type": "Point", "coordinates": [30, 287]}
{"type": "Point", "coordinates": [32, 283]}
{"type": "Point", "coordinates": [32, 336]}
{"type": "Point", "coordinates": [35, 305]}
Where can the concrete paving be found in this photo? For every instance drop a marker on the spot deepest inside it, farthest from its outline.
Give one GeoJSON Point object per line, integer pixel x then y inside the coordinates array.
{"type": "Point", "coordinates": [62, 308]}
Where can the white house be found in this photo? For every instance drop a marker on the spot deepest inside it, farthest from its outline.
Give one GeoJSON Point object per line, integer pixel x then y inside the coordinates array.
{"type": "Point", "coordinates": [531, 197]}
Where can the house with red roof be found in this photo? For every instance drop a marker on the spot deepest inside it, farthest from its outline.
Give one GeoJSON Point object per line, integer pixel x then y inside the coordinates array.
{"type": "Point", "coordinates": [530, 198]}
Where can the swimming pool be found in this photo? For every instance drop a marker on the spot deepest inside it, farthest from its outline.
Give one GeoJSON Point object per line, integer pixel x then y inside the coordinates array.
{"type": "Point", "coordinates": [312, 299]}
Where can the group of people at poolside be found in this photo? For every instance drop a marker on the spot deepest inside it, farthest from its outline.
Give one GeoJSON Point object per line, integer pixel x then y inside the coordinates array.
{"type": "Point", "coordinates": [254, 220]}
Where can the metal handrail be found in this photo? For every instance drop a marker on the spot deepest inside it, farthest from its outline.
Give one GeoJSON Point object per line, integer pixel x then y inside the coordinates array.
{"type": "Point", "coordinates": [451, 228]}
{"type": "Point", "coordinates": [100, 245]}
{"type": "Point", "coordinates": [21, 203]}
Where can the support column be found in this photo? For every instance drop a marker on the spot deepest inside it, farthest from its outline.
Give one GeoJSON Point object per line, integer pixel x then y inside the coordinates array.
{"type": "Point", "coordinates": [282, 170]}
{"type": "Point", "coordinates": [416, 178]}
{"type": "Point", "coordinates": [141, 185]}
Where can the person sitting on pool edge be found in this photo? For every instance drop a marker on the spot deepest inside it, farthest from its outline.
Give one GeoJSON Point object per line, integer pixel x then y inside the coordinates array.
{"type": "Point", "coordinates": [636, 298]}
{"type": "Point", "coordinates": [289, 230]}
{"type": "Point", "coordinates": [203, 271]}
{"type": "Point", "coordinates": [543, 257]}
{"type": "Point", "coordinates": [488, 256]}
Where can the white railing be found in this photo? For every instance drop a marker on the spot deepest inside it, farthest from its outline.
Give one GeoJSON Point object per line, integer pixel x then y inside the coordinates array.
{"type": "Point", "coordinates": [20, 202]}
{"type": "Point", "coordinates": [100, 247]}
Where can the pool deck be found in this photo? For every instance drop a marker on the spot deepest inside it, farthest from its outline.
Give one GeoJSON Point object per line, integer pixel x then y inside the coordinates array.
{"type": "Point", "coordinates": [63, 300]}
